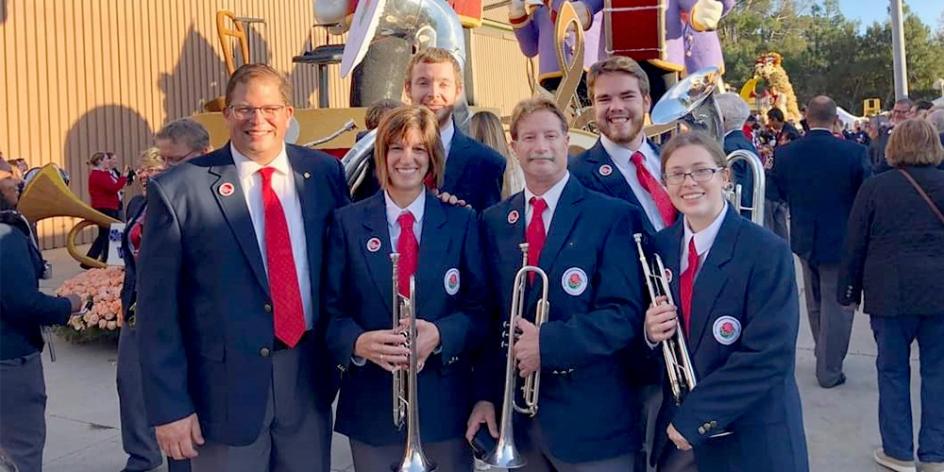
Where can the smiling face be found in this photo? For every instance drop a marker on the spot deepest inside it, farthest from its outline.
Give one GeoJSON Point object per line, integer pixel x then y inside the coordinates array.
{"type": "Point", "coordinates": [541, 146]}
{"type": "Point", "coordinates": [407, 161]}
{"type": "Point", "coordinates": [258, 119]}
{"type": "Point", "coordinates": [436, 87]}
{"type": "Point", "coordinates": [699, 201]}
{"type": "Point", "coordinates": [620, 107]}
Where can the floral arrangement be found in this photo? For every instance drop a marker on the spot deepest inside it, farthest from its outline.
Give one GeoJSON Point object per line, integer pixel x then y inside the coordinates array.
{"type": "Point", "coordinates": [103, 287]}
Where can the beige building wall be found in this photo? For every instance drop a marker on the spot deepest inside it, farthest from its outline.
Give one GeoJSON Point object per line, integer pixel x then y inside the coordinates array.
{"type": "Point", "coordinates": [82, 76]}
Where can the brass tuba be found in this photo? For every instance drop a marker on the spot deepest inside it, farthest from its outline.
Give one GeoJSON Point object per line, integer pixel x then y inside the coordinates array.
{"type": "Point", "coordinates": [46, 195]}
{"type": "Point", "coordinates": [405, 405]}
{"type": "Point", "coordinates": [506, 454]}
{"type": "Point", "coordinates": [678, 364]}
{"type": "Point", "coordinates": [692, 101]}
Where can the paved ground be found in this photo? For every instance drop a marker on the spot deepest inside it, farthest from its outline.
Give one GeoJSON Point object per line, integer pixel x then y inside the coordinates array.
{"type": "Point", "coordinates": [83, 426]}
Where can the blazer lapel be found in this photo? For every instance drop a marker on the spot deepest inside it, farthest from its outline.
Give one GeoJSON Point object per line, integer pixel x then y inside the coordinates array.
{"type": "Point", "coordinates": [562, 223]}
{"type": "Point", "coordinates": [711, 278]}
{"type": "Point", "coordinates": [307, 198]}
{"type": "Point", "coordinates": [456, 160]}
{"type": "Point", "coordinates": [671, 260]}
{"type": "Point", "coordinates": [613, 180]}
{"type": "Point", "coordinates": [374, 220]}
{"type": "Point", "coordinates": [434, 245]}
{"type": "Point", "coordinates": [228, 192]}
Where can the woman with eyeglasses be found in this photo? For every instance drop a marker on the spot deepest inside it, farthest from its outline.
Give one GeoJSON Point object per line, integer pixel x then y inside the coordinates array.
{"type": "Point", "coordinates": [438, 244]}
{"type": "Point", "coordinates": [735, 289]}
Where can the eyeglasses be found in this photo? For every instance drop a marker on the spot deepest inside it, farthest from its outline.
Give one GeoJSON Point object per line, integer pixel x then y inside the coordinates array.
{"type": "Point", "coordinates": [246, 112]}
{"type": "Point", "coordinates": [698, 175]}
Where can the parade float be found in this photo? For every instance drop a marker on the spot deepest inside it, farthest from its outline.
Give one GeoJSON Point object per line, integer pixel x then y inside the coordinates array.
{"type": "Point", "coordinates": [770, 87]}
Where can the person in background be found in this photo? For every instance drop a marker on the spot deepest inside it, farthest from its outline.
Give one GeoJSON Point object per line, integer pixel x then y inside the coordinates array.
{"type": "Point", "coordinates": [921, 109]}
{"type": "Point", "coordinates": [24, 309]}
{"type": "Point", "coordinates": [177, 141]}
{"type": "Point", "coordinates": [486, 128]}
{"type": "Point", "coordinates": [734, 113]}
{"type": "Point", "coordinates": [375, 112]}
{"type": "Point", "coordinates": [936, 118]}
{"type": "Point", "coordinates": [892, 256]}
{"type": "Point", "coordinates": [104, 189]}
{"type": "Point", "coordinates": [777, 123]}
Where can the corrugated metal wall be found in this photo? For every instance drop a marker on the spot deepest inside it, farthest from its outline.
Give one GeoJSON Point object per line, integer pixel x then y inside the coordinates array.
{"type": "Point", "coordinates": [82, 76]}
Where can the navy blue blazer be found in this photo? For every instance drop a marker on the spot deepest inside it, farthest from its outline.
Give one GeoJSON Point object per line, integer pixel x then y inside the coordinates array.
{"type": "Point", "coordinates": [818, 176]}
{"type": "Point", "coordinates": [358, 297]}
{"type": "Point", "coordinates": [745, 316]}
{"type": "Point", "coordinates": [23, 307]}
{"type": "Point", "coordinates": [586, 168]}
{"type": "Point", "coordinates": [740, 171]}
{"type": "Point", "coordinates": [587, 408]}
{"type": "Point", "coordinates": [204, 309]}
{"type": "Point", "coordinates": [474, 173]}
{"type": "Point", "coordinates": [129, 291]}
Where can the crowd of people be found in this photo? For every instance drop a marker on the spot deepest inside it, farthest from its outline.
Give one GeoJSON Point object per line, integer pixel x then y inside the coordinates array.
{"type": "Point", "coordinates": [257, 293]}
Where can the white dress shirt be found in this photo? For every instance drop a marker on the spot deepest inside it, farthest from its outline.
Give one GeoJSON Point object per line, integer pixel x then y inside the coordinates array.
{"type": "Point", "coordinates": [551, 197]}
{"type": "Point", "coordinates": [445, 134]}
{"type": "Point", "coordinates": [283, 184]}
{"type": "Point", "coordinates": [621, 156]}
{"type": "Point", "coordinates": [704, 239]}
{"type": "Point", "coordinates": [393, 213]}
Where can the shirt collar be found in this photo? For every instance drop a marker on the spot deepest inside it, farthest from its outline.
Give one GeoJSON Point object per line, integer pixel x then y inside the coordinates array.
{"type": "Point", "coordinates": [822, 129]}
{"type": "Point", "coordinates": [705, 238]}
{"type": "Point", "coordinates": [624, 153]}
{"type": "Point", "coordinates": [417, 207]}
{"type": "Point", "coordinates": [553, 194]}
{"type": "Point", "coordinates": [446, 133]}
{"type": "Point", "coordinates": [247, 167]}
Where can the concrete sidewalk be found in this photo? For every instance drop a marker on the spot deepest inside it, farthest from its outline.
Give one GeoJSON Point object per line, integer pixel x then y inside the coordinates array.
{"type": "Point", "coordinates": [83, 428]}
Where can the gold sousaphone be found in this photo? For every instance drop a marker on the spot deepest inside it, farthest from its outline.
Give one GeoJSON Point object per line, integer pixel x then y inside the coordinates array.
{"type": "Point", "coordinates": [47, 196]}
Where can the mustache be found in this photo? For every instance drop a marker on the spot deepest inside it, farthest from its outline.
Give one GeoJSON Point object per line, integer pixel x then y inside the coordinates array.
{"type": "Point", "coordinates": [549, 157]}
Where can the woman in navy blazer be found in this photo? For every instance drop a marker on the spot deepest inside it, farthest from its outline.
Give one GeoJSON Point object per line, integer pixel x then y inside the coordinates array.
{"type": "Point", "coordinates": [740, 324]}
{"type": "Point", "coordinates": [450, 317]}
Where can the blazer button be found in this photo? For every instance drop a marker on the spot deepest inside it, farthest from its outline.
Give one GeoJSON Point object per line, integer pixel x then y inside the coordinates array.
{"type": "Point", "coordinates": [714, 424]}
{"type": "Point", "coordinates": [701, 430]}
{"type": "Point", "coordinates": [267, 308]}
{"type": "Point", "coordinates": [264, 352]}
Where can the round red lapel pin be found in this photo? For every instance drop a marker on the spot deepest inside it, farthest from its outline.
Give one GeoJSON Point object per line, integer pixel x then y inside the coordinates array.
{"type": "Point", "coordinates": [227, 189]}
{"type": "Point", "coordinates": [373, 244]}
{"type": "Point", "coordinates": [513, 217]}
{"type": "Point", "coordinates": [605, 170]}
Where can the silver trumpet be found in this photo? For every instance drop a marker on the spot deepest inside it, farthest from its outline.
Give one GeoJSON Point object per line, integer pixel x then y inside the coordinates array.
{"type": "Point", "coordinates": [405, 405]}
{"type": "Point", "coordinates": [505, 454]}
{"type": "Point", "coordinates": [678, 364]}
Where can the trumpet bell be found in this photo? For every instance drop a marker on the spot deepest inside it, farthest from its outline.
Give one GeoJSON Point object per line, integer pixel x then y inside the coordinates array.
{"type": "Point", "coordinates": [505, 455]}
{"type": "Point", "coordinates": [46, 196]}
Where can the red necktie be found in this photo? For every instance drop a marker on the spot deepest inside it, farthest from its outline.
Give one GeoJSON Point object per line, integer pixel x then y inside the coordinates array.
{"type": "Point", "coordinates": [535, 234]}
{"type": "Point", "coordinates": [655, 189]}
{"type": "Point", "coordinates": [288, 313]}
{"type": "Point", "coordinates": [134, 236]}
{"type": "Point", "coordinates": [408, 249]}
{"type": "Point", "coordinates": [687, 284]}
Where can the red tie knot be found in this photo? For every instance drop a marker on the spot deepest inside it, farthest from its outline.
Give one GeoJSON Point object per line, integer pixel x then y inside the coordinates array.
{"type": "Point", "coordinates": [692, 253]}
{"type": "Point", "coordinates": [406, 221]}
{"type": "Point", "coordinates": [637, 158]}
{"type": "Point", "coordinates": [538, 204]}
{"type": "Point", "coordinates": [266, 173]}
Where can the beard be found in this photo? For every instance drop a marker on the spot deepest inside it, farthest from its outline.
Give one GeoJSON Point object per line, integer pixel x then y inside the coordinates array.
{"type": "Point", "coordinates": [619, 135]}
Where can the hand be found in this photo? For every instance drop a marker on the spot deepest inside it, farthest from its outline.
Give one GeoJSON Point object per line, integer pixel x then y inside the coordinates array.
{"type": "Point", "coordinates": [583, 14]}
{"type": "Point", "coordinates": [680, 442]}
{"type": "Point", "coordinates": [517, 10]}
{"type": "Point", "coordinates": [177, 439]}
{"type": "Point", "coordinates": [75, 301]}
{"type": "Point", "coordinates": [661, 320]}
{"type": "Point", "coordinates": [706, 14]}
{"type": "Point", "coordinates": [447, 197]}
{"type": "Point", "coordinates": [527, 348]}
{"type": "Point", "coordinates": [383, 347]}
{"type": "Point", "coordinates": [482, 412]}
{"type": "Point", "coordinates": [427, 338]}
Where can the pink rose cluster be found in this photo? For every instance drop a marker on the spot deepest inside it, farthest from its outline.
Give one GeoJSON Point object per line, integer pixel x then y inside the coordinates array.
{"type": "Point", "coordinates": [103, 286]}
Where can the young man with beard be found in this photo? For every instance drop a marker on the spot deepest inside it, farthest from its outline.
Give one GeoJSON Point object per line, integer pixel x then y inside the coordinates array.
{"type": "Point", "coordinates": [583, 424]}
{"type": "Point", "coordinates": [623, 163]}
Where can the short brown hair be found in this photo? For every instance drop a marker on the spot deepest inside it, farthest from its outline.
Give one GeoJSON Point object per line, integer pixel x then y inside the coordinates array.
{"type": "Point", "coordinates": [249, 72]}
{"type": "Point", "coordinates": [694, 138]}
{"type": "Point", "coordinates": [433, 56]}
{"type": "Point", "coordinates": [187, 132]}
{"type": "Point", "coordinates": [530, 106]}
{"type": "Point", "coordinates": [914, 142]}
{"type": "Point", "coordinates": [618, 65]}
{"type": "Point", "coordinates": [378, 109]}
{"type": "Point", "coordinates": [395, 125]}
{"type": "Point", "coordinates": [98, 157]}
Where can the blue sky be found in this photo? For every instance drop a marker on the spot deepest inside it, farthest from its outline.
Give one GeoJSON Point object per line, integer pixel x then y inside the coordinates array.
{"type": "Point", "coordinates": [868, 11]}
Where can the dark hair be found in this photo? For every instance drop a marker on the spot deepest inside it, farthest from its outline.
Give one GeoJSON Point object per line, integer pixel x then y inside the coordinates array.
{"type": "Point", "coordinates": [924, 105]}
{"type": "Point", "coordinates": [775, 114]}
{"type": "Point", "coordinates": [377, 110]}
{"type": "Point", "coordinates": [187, 132]}
{"type": "Point", "coordinates": [395, 125]}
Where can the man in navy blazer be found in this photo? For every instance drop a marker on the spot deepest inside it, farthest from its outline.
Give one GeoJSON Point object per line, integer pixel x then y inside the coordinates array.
{"type": "Point", "coordinates": [474, 171]}
{"type": "Point", "coordinates": [734, 113]}
{"type": "Point", "coordinates": [619, 89]}
{"type": "Point", "coordinates": [231, 334]}
{"type": "Point", "coordinates": [582, 240]}
{"type": "Point", "coordinates": [818, 177]}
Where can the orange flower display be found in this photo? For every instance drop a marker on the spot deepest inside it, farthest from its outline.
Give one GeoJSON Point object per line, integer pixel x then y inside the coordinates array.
{"type": "Point", "coordinates": [104, 288]}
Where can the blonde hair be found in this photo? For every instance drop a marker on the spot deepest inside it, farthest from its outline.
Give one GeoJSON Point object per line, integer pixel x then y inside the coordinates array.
{"type": "Point", "coordinates": [618, 65]}
{"type": "Point", "coordinates": [486, 128]}
{"type": "Point", "coordinates": [694, 138]}
{"type": "Point", "coordinates": [250, 72]}
{"type": "Point", "coordinates": [433, 56]}
{"type": "Point", "coordinates": [530, 106]}
{"type": "Point", "coordinates": [395, 125]}
{"type": "Point", "coordinates": [151, 157]}
{"type": "Point", "coordinates": [914, 142]}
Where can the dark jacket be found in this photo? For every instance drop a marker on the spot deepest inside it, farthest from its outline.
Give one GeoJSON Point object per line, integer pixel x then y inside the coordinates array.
{"type": "Point", "coordinates": [129, 289]}
{"type": "Point", "coordinates": [818, 176]}
{"type": "Point", "coordinates": [893, 250]}
{"type": "Point", "coordinates": [23, 308]}
{"type": "Point", "coordinates": [735, 141]}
